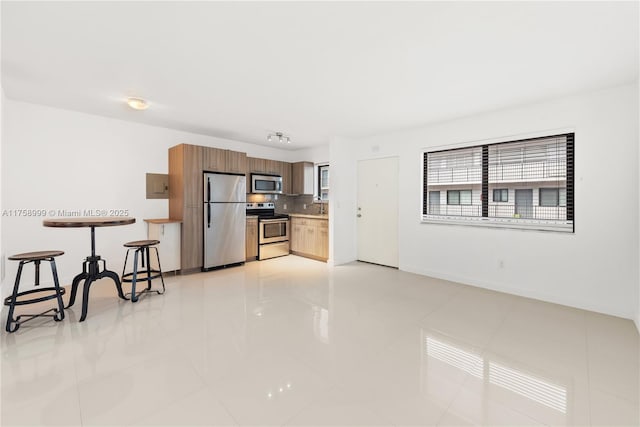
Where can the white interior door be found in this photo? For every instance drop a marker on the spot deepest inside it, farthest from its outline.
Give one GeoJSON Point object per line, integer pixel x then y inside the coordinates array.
{"type": "Point", "coordinates": [378, 211]}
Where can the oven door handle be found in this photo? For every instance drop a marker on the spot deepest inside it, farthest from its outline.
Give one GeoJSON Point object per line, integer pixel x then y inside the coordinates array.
{"type": "Point", "coordinates": [275, 220]}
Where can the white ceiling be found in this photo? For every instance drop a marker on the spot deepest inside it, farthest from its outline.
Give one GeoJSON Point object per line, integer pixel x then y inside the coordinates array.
{"type": "Point", "coordinates": [312, 70]}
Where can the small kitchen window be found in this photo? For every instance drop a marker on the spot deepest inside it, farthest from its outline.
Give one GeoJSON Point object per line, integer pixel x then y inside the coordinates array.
{"type": "Point", "coordinates": [323, 182]}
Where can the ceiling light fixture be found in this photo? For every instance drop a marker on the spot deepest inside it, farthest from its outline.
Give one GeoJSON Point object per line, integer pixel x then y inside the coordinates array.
{"type": "Point", "coordinates": [282, 138]}
{"type": "Point", "coordinates": [137, 103]}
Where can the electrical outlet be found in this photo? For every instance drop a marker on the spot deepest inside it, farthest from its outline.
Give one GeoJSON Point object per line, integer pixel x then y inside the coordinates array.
{"type": "Point", "coordinates": [304, 206]}
{"type": "Point", "coordinates": [285, 206]}
{"type": "Point", "coordinates": [501, 264]}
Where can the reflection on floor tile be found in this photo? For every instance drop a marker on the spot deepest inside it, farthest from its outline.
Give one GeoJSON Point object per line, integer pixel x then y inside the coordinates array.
{"type": "Point", "coordinates": [290, 341]}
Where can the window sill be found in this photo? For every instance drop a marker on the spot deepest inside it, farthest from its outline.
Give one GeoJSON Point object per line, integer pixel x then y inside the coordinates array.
{"type": "Point", "coordinates": [521, 224]}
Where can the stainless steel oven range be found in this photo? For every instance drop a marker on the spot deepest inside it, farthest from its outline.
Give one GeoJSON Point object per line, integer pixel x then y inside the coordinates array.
{"type": "Point", "coordinates": [273, 230]}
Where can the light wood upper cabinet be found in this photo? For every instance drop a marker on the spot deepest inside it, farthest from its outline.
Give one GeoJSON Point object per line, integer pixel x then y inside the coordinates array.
{"type": "Point", "coordinates": [273, 167]}
{"type": "Point", "coordinates": [236, 161]}
{"type": "Point", "coordinates": [256, 165]}
{"type": "Point", "coordinates": [176, 182]}
{"type": "Point", "coordinates": [214, 159]}
{"type": "Point", "coordinates": [302, 178]}
{"type": "Point", "coordinates": [285, 173]}
{"type": "Point", "coordinates": [219, 160]}
{"type": "Point", "coordinates": [185, 179]}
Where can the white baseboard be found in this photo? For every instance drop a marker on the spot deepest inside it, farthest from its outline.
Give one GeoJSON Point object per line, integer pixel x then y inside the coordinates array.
{"type": "Point", "coordinates": [523, 293]}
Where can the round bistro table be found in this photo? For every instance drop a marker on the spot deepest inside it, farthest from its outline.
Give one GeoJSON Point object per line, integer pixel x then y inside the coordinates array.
{"type": "Point", "coordinates": [91, 265]}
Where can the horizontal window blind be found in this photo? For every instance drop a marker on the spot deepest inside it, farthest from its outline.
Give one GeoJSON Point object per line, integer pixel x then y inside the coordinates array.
{"type": "Point", "coordinates": [525, 183]}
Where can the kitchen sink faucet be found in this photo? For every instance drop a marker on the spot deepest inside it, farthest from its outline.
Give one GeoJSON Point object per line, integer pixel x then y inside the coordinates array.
{"type": "Point", "coordinates": [321, 205]}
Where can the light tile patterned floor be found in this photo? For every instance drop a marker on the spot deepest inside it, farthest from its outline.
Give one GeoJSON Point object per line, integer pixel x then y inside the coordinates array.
{"type": "Point", "coordinates": [291, 341]}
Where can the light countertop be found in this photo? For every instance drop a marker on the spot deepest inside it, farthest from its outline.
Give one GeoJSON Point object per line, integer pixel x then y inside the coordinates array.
{"type": "Point", "coordinates": [162, 220]}
{"type": "Point", "coordinates": [317, 216]}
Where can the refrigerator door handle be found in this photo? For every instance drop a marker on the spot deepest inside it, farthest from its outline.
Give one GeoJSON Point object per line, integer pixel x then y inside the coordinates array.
{"type": "Point", "coordinates": [208, 189]}
{"type": "Point", "coordinates": [208, 215]}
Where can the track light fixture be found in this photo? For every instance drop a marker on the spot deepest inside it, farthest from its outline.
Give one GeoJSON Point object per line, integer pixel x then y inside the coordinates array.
{"type": "Point", "coordinates": [281, 138]}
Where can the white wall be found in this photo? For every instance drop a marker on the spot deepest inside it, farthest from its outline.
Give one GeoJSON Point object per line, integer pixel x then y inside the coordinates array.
{"type": "Point", "coordinates": [319, 154]}
{"type": "Point", "coordinates": [2, 138]}
{"type": "Point", "coordinates": [596, 268]}
{"type": "Point", "coordinates": [342, 201]}
{"type": "Point", "coordinates": [637, 130]}
{"type": "Point", "coordinates": [56, 159]}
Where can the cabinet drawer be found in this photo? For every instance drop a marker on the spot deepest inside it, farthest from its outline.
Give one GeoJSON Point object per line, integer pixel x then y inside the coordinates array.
{"type": "Point", "coordinates": [321, 223]}
{"type": "Point", "coordinates": [299, 221]}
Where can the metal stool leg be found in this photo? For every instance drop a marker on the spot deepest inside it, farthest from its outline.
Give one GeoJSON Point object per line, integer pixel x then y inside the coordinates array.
{"type": "Point", "coordinates": [12, 305]}
{"type": "Point", "coordinates": [124, 268]}
{"type": "Point", "coordinates": [159, 271]}
{"type": "Point", "coordinates": [56, 284]}
{"type": "Point", "coordinates": [146, 253]}
{"type": "Point", "coordinates": [134, 278]}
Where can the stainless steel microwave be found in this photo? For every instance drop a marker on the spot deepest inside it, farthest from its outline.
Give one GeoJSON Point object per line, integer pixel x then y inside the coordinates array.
{"type": "Point", "coordinates": [270, 184]}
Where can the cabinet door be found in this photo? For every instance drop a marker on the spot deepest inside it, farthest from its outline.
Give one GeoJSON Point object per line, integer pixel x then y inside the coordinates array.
{"type": "Point", "coordinates": [252, 239]}
{"type": "Point", "coordinates": [169, 248]}
{"type": "Point", "coordinates": [309, 239]}
{"type": "Point", "coordinates": [297, 235]}
{"type": "Point", "coordinates": [285, 173]}
{"type": "Point", "coordinates": [176, 181]}
{"type": "Point", "coordinates": [256, 165]}
{"type": "Point", "coordinates": [214, 159]}
{"type": "Point", "coordinates": [322, 240]}
{"type": "Point", "coordinates": [236, 161]}
{"type": "Point", "coordinates": [192, 172]}
{"type": "Point", "coordinates": [191, 250]}
{"type": "Point", "coordinates": [302, 178]}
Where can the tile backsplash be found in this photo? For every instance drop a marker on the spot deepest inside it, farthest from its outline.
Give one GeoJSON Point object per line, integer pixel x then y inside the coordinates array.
{"type": "Point", "coordinates": [294, 204]}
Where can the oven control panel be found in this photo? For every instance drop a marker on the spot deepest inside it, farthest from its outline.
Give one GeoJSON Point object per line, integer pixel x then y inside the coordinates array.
{"type": "Point", "coordinates": [262, 205]}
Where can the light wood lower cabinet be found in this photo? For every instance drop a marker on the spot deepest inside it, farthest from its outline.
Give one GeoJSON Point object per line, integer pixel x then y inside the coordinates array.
{"type": "Point", "coordinates": [310, 237]}
{"type": "Point", "coordinates": [251, 243]}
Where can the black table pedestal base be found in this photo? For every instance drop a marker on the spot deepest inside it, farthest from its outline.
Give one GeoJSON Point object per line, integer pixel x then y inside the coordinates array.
{"type": "Point", "coordinates": [90, 273]}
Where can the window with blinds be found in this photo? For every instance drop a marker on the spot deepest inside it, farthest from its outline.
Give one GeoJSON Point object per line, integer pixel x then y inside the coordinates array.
{"type": "Point", "coordinates": [522, 184]}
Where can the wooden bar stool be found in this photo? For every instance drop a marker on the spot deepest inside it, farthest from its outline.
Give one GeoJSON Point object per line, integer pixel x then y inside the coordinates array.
{"type": "Point", "coordinates": [141, 248]}
{"type": "Point", "coordinates": [46, 294]}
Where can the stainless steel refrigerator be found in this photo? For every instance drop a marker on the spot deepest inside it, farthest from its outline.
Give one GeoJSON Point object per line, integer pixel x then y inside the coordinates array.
{"type": "Point", "coordinates": [224, 219]}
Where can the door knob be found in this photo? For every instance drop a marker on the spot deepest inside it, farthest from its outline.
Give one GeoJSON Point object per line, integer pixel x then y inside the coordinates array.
{"type": "Point", "coordinates": [359, 215]}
